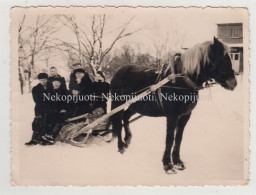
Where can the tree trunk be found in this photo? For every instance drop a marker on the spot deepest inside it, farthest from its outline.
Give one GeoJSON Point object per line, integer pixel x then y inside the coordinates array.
{"type": "Point", "coordinates": [30, 72]}
{"type": "Point", "coordinates": [21, 83]}
{"type": "Point", "coordinates": [21, 78]}
{"type": "Point", "coordinates": [29, 81]}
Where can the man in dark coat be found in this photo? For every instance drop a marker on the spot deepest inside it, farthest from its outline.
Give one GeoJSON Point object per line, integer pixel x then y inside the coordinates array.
{"type": "Point", "coordinates": [100, 89]}
{"type": "Point", "coordinates": [41, 108]}
{"type": "Point", "coordinates": [57, 107]}
{"type": "Point", "coordinates": [54, 73]}
{"type": "Point", "coordinates": [72, 81]}
{"type": "Point", "coordinates": [80, 87]}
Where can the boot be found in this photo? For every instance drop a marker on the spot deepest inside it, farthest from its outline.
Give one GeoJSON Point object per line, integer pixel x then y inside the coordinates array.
{"type": "Point", "coordinates": [34, 140]}
{"type": "Point", "coordinates": [48, 138]}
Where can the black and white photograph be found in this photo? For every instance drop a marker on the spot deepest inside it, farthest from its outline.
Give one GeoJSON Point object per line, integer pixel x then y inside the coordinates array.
{"type": "Point", "coordinates": [125, 96]}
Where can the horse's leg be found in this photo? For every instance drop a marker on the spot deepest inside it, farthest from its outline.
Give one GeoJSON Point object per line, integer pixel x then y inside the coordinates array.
{"type": "Point", "coordinates": [171, 124]}
{"type": "Point", "coordinates": [182, 121]}
{"type": "Point", "coordinates": [108, 125]}
{"type": "Point", "coordinates": [115, 120]}
{"type": "Point", "coordinates": [117, 131]}
{"type": "Point", "coordinates": [128, 135]}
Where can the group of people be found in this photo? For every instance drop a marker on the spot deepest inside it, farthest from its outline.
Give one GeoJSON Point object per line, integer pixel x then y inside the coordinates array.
{"type": "Point", "coordinates": [50, 114]}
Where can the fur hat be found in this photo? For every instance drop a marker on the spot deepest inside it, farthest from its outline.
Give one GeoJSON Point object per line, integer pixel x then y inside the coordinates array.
{"type": "Point", "coordinates": [77, 64]}
{"type": "Point", "coordinates": [79, 70]}
{"type": "Point", "coordinates": [42, 76]}
{"type": "Point", "coordinates": [56, 78]}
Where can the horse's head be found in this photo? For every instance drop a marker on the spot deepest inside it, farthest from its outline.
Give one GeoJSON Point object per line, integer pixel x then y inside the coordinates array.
{"type": "Point", "coordinates": [224, 74]}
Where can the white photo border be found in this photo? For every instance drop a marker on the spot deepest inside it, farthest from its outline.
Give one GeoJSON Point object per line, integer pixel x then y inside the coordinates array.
{"type": "Point", "coordinates": [5, 138]}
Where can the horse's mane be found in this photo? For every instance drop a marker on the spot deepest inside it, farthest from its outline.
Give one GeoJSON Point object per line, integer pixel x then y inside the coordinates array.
{"type": "Point", "coordinates": [194, 58]}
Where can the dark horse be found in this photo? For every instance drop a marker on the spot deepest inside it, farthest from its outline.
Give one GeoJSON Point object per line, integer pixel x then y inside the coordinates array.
{"type": "Point", "coordinates": [209, 60]}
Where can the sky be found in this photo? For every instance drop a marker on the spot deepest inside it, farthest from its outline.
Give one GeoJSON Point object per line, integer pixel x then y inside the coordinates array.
{"type": "Point", "coordinates": [195, 25]}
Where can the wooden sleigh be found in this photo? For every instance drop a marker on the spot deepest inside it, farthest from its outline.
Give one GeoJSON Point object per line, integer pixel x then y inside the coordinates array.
{"type": "Point", "coordinates": [68, 132]}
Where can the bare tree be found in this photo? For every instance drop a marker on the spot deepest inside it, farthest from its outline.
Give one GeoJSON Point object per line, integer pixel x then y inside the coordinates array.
{"type": "Point", "coordinates": [22, 56]}
{"type": "Point", "coordinates": [32, 39]}
{"type": "Point", "coordinates": [90, 39]}
{"type": "Point", "coordinates": [166, 44]}
{"type": "Point", "coordinates": [161, 48]}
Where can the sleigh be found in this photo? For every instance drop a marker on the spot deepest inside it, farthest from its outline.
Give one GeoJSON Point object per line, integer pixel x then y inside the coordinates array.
{"type": "Point", "coordinates": [75, 124]}
{"type": "Point", "coordinates": [69, 132]}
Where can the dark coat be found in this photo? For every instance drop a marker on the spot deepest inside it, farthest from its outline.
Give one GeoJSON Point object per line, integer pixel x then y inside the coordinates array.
{"type": "Point", "coordinates": [41, 106]}
{"type": "Point", "coordinates": [63, 82]}
{"type": "Point", "coordinates": [86, 82]}
{"type": "Point", "coordinates": [56, 105]}
{"type": "Point", "coordinates": [100, 90]}
{"type": "Point", "coordinates": [54, 117]}
{"type": "Point", "coordinates": [47, 110]}
{"type": "Point", "coordinates": [84, 88]}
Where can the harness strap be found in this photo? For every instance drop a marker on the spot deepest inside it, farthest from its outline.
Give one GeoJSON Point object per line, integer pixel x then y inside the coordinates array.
{"type": "Point", "coordinates": [160, 76]}
{"type": "Point", "coordinates": [157, 93]}
{"type": "Point", "coordinates": [159, 99]}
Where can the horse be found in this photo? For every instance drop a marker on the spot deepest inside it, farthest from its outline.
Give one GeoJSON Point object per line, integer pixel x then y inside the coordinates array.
{"type": "Point", "coordinates": [199, 64]}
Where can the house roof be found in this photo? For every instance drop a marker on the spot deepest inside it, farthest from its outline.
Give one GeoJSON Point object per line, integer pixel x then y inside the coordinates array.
{"type": "Point", "coordinates": [226, 24]}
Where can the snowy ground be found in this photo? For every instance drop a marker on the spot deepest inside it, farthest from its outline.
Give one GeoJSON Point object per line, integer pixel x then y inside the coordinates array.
{"type": "Point", "coordinates": [212, 149]}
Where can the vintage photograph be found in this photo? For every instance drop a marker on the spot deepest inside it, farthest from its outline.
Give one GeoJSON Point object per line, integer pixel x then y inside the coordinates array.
{"type": "Point", "coordinates": [122, 96]}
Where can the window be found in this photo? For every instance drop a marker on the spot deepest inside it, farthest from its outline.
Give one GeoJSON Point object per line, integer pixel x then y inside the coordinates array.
{"type": "Point", "coordinates": [231, 56]}
{"type": "Point", "coordinates": [236, 56]}
{"type": "Point", "coordinates": [235, 32]}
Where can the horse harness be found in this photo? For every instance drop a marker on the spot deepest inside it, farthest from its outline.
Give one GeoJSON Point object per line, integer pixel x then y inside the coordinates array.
{"type": "Point", "coordinates": [176, 61]}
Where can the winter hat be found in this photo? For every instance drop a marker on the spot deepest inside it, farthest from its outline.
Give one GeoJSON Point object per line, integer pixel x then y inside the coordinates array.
{"type": "Point", "coordinates": [79, 70]}
{"type": "Point", "coordinates": [77, 64]}
{"type": "Point", "coordinates": [56, 78]}
{"type": "Point", "coordinates": [42, 76]}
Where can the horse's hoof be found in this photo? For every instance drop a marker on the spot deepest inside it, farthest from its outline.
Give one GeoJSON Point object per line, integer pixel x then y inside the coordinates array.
{"type": "Point", "coordinates": [179, 166]}
{"type": "Point", "coordinates": [122, 145]}
{"type": "Point", "coordinates": [125, 145]}
{"type": "Point", "coordinates": [169, 169]}
{"type": "Point", "coordinates": [128, 139]}
{"type": "Point", "coordinates": [121, 150]}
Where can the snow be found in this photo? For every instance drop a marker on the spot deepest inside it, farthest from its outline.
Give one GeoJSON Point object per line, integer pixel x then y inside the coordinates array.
{"type": "Point", "coordinates": [212, 149]}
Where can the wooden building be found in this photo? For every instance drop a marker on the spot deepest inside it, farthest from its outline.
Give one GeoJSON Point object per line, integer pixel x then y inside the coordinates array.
{"type": "Point", "coordinates": [232, 35]}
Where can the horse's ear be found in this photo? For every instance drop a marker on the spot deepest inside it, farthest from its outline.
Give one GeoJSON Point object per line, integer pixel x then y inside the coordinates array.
{"type": "Point", "coordinates": [216, 41]}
